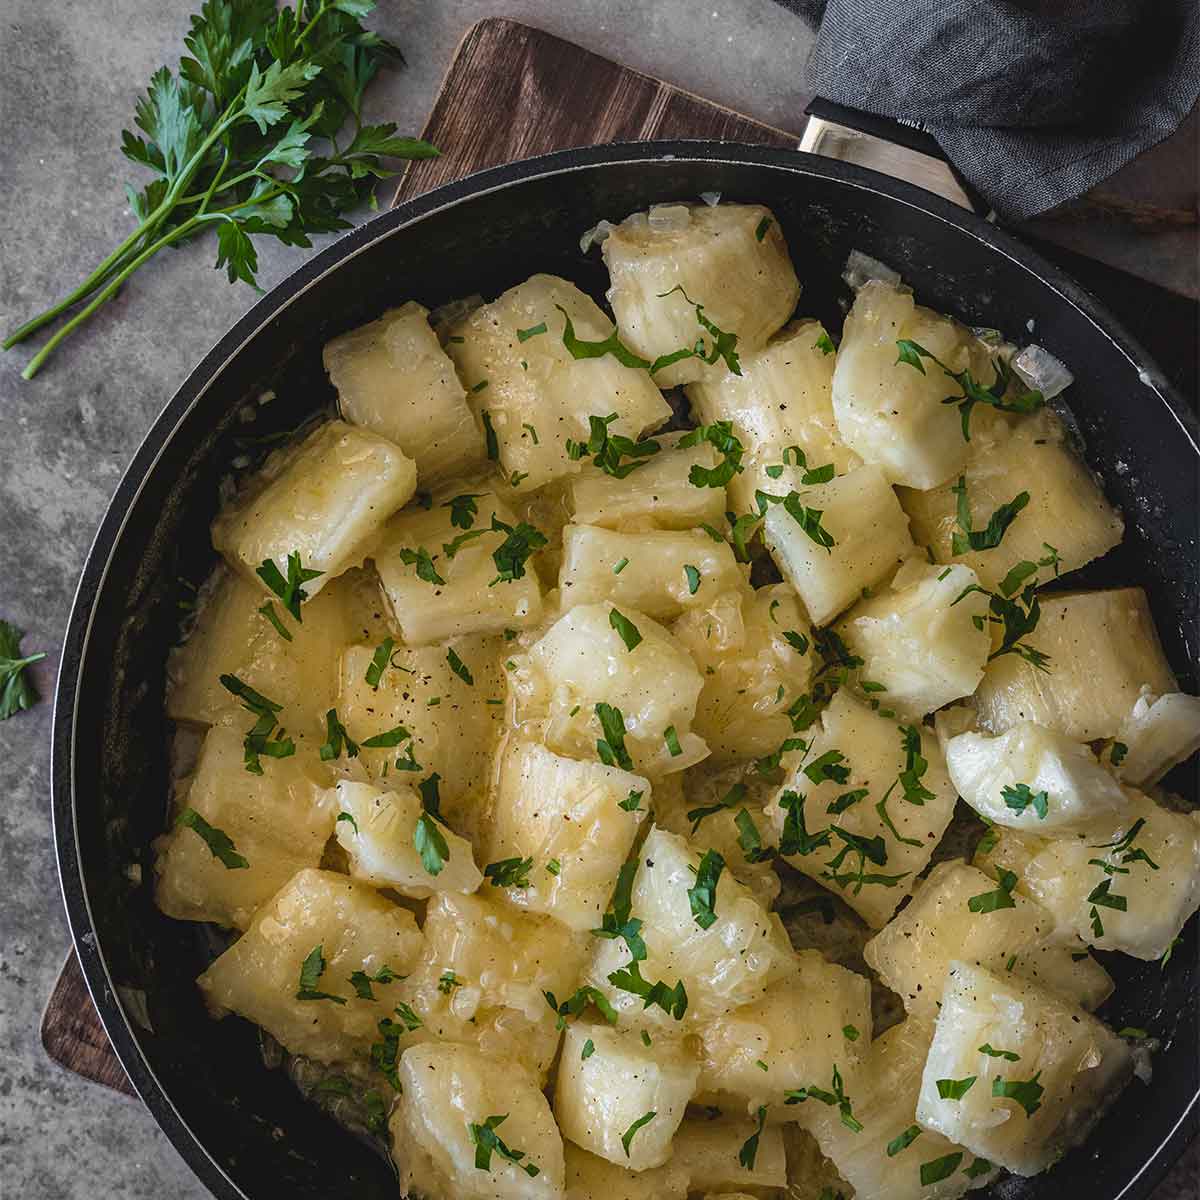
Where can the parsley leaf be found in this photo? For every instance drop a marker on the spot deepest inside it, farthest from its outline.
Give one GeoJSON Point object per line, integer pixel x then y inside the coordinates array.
{"type": "Point", "coordinates": [509, 872]}
{"type": "Point", "coordinates": [611, 748]}
{"type": "Point", "coordinates": [266, 736]}
{"type": "Point", "coordinates": [987, 902]}
{"type": "Point", "coordinates": [337, 739]}
{"type": "Point", "coordinates": [16, 692]}
{"type": "Point", "coordinates": [1027, 1093]}
{"type": "Point", "coordinates": [513, 553]}
{"type": "Point", "coordinates": [672, 740]}
{"type": "Point", "coordinates": [732, 798]}
{"type": "Point", "coordinates": [380, 661]}
{"type": "Point", "coordinates": [487, 1142]}
{"type": "Point", "coordinates": [574, 1005]}
{"type": "Point", "coordinates": [955, 1089]}
{"type": "Point", "coordinates": [693, 578]}
{"type": "Point", "coordinates": [719, 435]}
{"type": "Point", "coordinates": [992, 1052]}
{"type": "Point", "coordinates": [724, 344]}
{"type": "Point", "coordinates": [836, 1097]}
{"type": "Point", "coordinates": [421, 559]}
{"type": "Point", "coordinates": [998, 522]}
{"type": "Point", "coordinates": [290, 590]}
{"type": "Point", "coordinates": [311, 971]}
{"type": "Point", "coordinates": [627, 1136]}
{"type": "Point", "coordinates": [523, 335]}
{"type": "Point", "coordinates": [219, 843]}
{"type": "Point", "coordinates": [940, 1168]}
{"type": "Point", "coordinates": [361, 982]}
{"type": "Point", "coordinates": [268, 611]}
{"type": "Point", "coordinates": [463, 509]}
{"type": "Point", "coordinates": [608, 449]}
{"type": "Point", "coordinates": [628, 631]}
{"type": "Point", "coordinates": [702, 895]}
{"type": "Point", "coordinates": [430, 844]}
{"type": "Point", "coordinates": [1019, 797]}
{"type": "Point", "coordinates": [749, 1151]}
{"type": "Point", "coordinates": [459, 667]}
{"type": "Point", "coordinates": [903, 1140]}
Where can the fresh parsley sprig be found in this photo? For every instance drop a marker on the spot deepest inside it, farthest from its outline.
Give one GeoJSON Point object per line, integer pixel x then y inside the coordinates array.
{"type": "Point", "coordinates": [232, 141]}
{"type": "Point", "coordinates": [16, 692]}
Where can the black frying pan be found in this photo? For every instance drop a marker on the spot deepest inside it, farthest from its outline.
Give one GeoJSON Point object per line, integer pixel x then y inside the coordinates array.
{"type": "Point", "coordinates": [244, 1129]}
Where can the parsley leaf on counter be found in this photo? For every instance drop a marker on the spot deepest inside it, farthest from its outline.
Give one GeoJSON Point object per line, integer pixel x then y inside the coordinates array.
{"type": "Point", "coordinates": [244, 141]}
{"type": "Point", "coordinates": [16, 692]}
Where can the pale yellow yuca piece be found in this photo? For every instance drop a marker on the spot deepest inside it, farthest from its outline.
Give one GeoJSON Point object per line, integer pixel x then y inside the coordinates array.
{"type": "Point", "coordinates": [729, 964]}
{"type": "Point", "coordinates": [447, 1089]}
{"type": "Point", "coordinates": [1103, 649]}
{"type": "Point", "coordinates": [918, 637]}
{"type": "Point", "coordinates": [710, 1150]}
{"type": "Point", "coordinates": [471, 600]}
{"type": "Point", "coordinates": [354, 927]}
{"type": "Point", "coordinates": [1062, 775]}
{"type": "Point", "coordinates": [233, 637]}
{"type": "Point", "coordinates": [598, 1098]}
{"type": "Point", "coordinates": [873, 749]}
{"type": "Point", "coordinates": [1066, 509]}
{"type": "Point", "coordinates": [884, 1102]}
{"type": "Point", "coordinates": [724, 792]}
{"type": "Point", "coordinates": [575, 820]}
{"type": "Point", "coordinates": [278, 821]}
{"type": "Point", "coordinates": [1079, 1066]}
{"type": "Point", "coordinates": [378, 833]}
{"type": "Point", "coordinates": [582, 661]}
{"type": "Point", "coordinates": [750, 680]}
{"type": "Point", "coordinates": [454, 724]}
{"type": "Point", "coordinates": [657, 495]}
{"type": "Point", "coordinates": [654, 578]}
{"type": "Point", "coordinates": [782, 398]}
{"type": "Point", "coordinates": [326, 499]}
{"type": "Point", "coordinates": [912, 953]}
{"type": "Point", "coordinates": [870, 540]}
{"type": "Point", "coordinates": [891, 413]}
{"type": "Point", "coordinates": [730, 258]}
{"type": "Point", "coordinates": [393, 377]}
{"type": "Point", "coordinates": [534, 393]}
{"type": "Point", "coordinates": [1060, 875]}
{"type": "Point", "coordinates": [1159, 733]}
{"type": "Point", "coordinates": [483, 973]}
{"type": "Point", "coordinates": [793, 1037]}
{"type": "Point", "coordinates": [589, 1177]}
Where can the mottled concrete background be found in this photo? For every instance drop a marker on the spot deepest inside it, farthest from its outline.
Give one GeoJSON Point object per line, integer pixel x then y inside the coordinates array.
{"type": "Point", "coordinates": [68, 80]}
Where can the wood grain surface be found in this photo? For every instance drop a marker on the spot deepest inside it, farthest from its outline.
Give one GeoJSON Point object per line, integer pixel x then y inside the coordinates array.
{"type": "Point", "coordinates": [510, 92]}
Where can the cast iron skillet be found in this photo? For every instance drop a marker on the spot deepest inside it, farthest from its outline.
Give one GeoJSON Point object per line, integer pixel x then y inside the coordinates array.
{"type": "Point", "coordinates": [244, 1129]}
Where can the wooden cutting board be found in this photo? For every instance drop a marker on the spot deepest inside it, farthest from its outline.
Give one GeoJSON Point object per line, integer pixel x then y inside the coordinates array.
{"type": "Point", "coordinates": [510, 92]}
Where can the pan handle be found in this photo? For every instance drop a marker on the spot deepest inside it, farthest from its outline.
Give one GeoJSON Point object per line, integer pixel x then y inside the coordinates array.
{"type": "Point", "coordinates": [900, 150]}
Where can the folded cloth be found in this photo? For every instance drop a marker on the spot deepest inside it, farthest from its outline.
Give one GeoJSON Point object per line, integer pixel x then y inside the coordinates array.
{"type": "Point", "coordinates": [1033, 102]}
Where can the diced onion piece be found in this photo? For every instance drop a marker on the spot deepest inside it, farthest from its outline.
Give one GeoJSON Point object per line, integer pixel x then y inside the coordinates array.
{"type": "Point", "coordinates": [860, 268]}
{"type": "Point", "coordinates": [1038, 368]}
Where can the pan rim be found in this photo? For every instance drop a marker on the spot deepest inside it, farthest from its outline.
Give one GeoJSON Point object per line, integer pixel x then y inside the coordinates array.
{"type": "Point", "coordinates": [94, 577]}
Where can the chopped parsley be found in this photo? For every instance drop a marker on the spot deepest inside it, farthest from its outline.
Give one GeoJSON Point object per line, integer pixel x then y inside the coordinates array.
{"type": "Point", "coordinates": [337, 739]}
{"type": "Point", "coordinates": [761, 228]}
{"type": "Point", "coordinates": [509, 872]}
{"type": "Point", "coordinates": [824, 343]}
{"type": "Point", "coordinates": [379, 663]}
{"type": "Point", "coordinates": [702, 895]}
{"type": "Point", "coordinates": [266, 736]}
{"type": "Point", "coordinates": [836, 1097]}
{"type": "Point", "coordinates": [632, 802]}
{"type": "Point", "coordinates": [311, 971]}
{"type": "Point", "coordinates": [489, 433]}
{"type": "Point", "coordinates": [749, 1151]}
{"type": "Point", "coordinates": [693, 578]}
{"type": "Point", "coordinates": [447, 982]}
{"type": "Point", "coordinates": [611, 747]}
{"type": "Point", "coordinates": [268, 611]}
{"type": "Point", "coordinates": [749, 839]}
{"type": "Point", "coordinates": [345, 816]}
{"type": "Point", "coordinates": [973, 392]}
{"type": "Point", "coordinates": [724, 344]}
{"type": "Point", "coordinates": [620, 566]}
{"type": "Point", "coordinates": [523, 335]}
{"type": "Point", "coordinates": [219, 843]}
{"type": "Point", "coordinates": [1019, 797]}
{"type": "Point", "coordinates": [420, 558]}
{"type": "Point", "coordinates": [387, 739]}
{"type": "Point", "coordinates": [627, 1136]}
{"type": "Point", "coordinates": [850, 1033]}
{"type": "Point", "coordinates": [1019, 618]}
{"type": "Point", "coordinates": [903, 1141]}
{"type": "Point", "coordinates": [430, 844]}
{"type": "Point", "coordinates": [627, 630]}
{"type": "Point", "coordinates": [361, 982]}
{"type": "Point", "coordinates": [1025, 1092]}
{"type": "Point", "coordinates": [589, 1048]}
{"type": "Point", "coordinates": [940, 1168]}
{"type": "Point", "coordinates": [955, 1089]}
{"type": "Point", "coordinates": [463, 509]}
{"type": "Point", "coordinates": [513, 553]}
{"type": "Point", "coordinates": [574, 1005]}
{"type": "Point", "coordinates": [459, 667]}
{"type": "Point", "coordinates": [987, 902]}
{"type": "Point", "coordinates": [733, 797]}
{"type": "Point", "coordinates": [721, 437]}
{"type": "Point", "coordinates": [797, 641]}
{"type": "Point", "coordinates": [487, 1142]}
{"type": "Point", "coordinates": [290, 590]}
{"type": "Point", "coordinates": [1017, 574]}
{"type": "Point", "coordinates": [992, 1052]}
{"type": "Point", "coordinates": [608, 449]}
{"type": "Point", "coordinates": [982, 539]}
{"type": "Point", "coordinates": [554, 867]}
{"type": "Point", "coordinates": [672, 740]}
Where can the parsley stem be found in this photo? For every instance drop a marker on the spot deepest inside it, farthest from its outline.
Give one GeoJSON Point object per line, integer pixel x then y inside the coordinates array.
{"type": "Point", "coordinates": [35, 363]}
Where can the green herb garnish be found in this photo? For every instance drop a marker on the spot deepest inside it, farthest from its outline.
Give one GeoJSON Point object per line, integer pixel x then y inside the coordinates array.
{"type": "Point", "coordinates": [219, 843]}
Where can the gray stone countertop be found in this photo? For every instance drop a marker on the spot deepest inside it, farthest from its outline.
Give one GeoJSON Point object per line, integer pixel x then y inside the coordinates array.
{"type": "Point", "coordinates": [71, 75]}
